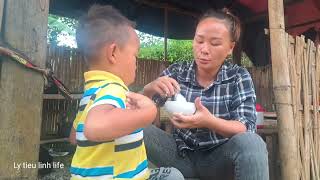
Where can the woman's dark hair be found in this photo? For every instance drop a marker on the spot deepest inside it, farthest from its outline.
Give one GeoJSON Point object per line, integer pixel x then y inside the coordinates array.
{"type": "Point", "coordinates": [232, 22]}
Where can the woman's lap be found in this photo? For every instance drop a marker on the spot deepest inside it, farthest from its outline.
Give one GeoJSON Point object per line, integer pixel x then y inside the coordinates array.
{"type": "Point", "coordinates": [243, 156]}
{"type": "Point", "coordinates": [162, 151]}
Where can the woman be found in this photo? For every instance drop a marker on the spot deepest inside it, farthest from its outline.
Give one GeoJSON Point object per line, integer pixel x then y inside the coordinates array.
{"type": "Point", "coordinates": [218, 141]}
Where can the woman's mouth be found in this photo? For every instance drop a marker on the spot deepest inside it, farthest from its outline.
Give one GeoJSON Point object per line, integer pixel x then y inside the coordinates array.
{"type": "Point", "coordinates": [203, 61]}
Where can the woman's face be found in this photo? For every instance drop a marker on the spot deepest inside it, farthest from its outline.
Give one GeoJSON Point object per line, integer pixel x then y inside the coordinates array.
{"type": "Point", "coordinates": [211, 44]}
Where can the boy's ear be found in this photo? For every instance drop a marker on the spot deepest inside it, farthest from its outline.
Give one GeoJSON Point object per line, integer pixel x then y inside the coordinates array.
{"type": "Point", "coordinates": [111, 52]}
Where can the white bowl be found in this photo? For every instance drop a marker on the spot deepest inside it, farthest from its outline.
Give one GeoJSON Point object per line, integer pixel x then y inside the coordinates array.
{"type": "Point", "coordinates": [186, 108]}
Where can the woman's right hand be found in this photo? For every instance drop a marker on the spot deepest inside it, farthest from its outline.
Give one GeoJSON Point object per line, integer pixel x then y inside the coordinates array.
{"type": "Point", "coordinates": [164, 86]}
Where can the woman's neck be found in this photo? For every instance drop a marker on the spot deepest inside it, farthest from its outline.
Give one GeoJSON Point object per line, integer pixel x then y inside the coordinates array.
{"type": "Point", "coordinates": [206, 77]}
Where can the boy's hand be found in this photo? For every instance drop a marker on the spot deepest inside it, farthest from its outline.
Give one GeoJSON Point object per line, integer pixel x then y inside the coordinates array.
{"type": "Point", "coordinates": [139, 101]}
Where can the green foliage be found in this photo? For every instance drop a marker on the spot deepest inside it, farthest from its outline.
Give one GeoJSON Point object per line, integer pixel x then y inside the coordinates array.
{"type": "Point", "coordinates": [59, 25]}
{"type": "Point", "coordinates": [178, 50]}
{"type": "Point", "coordinates": [245, 60]}
{"type": "Point", "coordinates": [61, 31]}
{"type": "Point", "coordinates": [148, 40]}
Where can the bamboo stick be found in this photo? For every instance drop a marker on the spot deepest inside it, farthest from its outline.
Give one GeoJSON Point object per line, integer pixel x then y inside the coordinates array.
{"type": "Point", "coordinates": [294, 82]}
{"type": "Point", "coordinates": [317, 120]}
{"type": "Point", "coordinates": [314, 129]}
{"type": "Point", "coordinates": [282, 91]}
{"type": "Point", "coordinates": [298, 61]}
{"type": "Point", "coordinates": [306, 111]}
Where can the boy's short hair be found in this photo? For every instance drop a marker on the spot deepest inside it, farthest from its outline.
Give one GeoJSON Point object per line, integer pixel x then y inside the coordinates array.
{"type": "Point", "coordinates": [101, 25]}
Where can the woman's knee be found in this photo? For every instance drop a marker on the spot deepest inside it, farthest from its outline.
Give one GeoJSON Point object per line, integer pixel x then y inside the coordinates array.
{"type": "Point", "coordinates": [249, 142]}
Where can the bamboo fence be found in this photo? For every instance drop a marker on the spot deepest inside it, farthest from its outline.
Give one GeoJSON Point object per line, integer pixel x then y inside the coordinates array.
{"type": "Point", "coordinates": [262, 80]}
{"type": "Point", "coordinates": [304, 62]}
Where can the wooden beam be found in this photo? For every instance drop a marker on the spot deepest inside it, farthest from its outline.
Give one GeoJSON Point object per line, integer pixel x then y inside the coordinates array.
{"type": "Point", "coordinates": [54, 140]}
{"type": "Point", "coordinates": [258, 17]}
{"type": "Point", "coordinates": [25, 28]}
{"type": "Point", "coordinates": [59, 96]}
{"type": "Point", "coordinates": [165, 34]}
{"type": "Point", "coordinates": [304, 24]}
{"type": "Point", "coordinates": [282, 91]}
{"type": "Point", "coordinates": [169, 7]}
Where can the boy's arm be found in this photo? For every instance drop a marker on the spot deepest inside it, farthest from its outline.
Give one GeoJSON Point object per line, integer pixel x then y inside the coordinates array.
{"type": "Point", "coordinates": [105, 122]}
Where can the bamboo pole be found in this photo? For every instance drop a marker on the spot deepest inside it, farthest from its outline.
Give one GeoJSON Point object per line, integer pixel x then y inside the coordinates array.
{"type": "Point", "coordinates": [314, 130]}
{"type": "Point", "coordinates": [299, 47]}
{"type": "Point", "coordinates": [282, 91]}
{"type": "Point", "coordinates": [306, 112]}
{"type": "Point", "coordinates": [317, 125]}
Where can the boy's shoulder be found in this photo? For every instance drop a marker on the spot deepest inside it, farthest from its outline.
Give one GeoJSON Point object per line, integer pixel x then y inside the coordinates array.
{"type": "Point", "coordinates": [111, 93]}
{"type": "Point", "coordinates": [112, 88]}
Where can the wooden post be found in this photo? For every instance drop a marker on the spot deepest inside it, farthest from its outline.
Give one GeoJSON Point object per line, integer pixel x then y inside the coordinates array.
{"type": "Point", "coordinates": [282, 91]}
{"type": "Point", "coordinates": [165, 34]}
{"type": "Point", "coordinates": [24, 28]}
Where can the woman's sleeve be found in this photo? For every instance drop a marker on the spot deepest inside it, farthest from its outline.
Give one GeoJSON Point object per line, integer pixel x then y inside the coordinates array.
{"type": "Point", "coordinates": [243, 103]}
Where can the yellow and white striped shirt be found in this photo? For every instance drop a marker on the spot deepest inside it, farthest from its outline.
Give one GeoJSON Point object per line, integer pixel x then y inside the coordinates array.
{"type": "Point", "coordinates": [121, 158]}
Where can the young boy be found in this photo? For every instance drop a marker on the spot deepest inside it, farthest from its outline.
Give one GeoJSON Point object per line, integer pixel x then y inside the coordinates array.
{"type": "Point", "coordinates": [108, 127]}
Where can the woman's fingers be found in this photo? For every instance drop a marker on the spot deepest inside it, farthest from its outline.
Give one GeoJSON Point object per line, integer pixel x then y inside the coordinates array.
{"type": "Point", "coordinates": [175, 84]}
{"type": "Point", "coordinates": [171, 85]}
{"type": "Point", "coordinates": [165, 89]}
{"type": "Point", "coordinates": [159, 90]}
{"type": "Point", "coordinates": [165, 86]}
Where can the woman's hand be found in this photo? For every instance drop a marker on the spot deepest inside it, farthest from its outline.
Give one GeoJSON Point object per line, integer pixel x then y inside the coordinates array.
{"type": "Point", "coordinates": [200, 119]}
{"type": "Point", "coordinates": [164, 86]}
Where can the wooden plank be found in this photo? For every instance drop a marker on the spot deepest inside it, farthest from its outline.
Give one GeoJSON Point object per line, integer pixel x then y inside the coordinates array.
{"type": "Point", "coordinates": [282, 91]}
{"type": "Point", "coordinates": [54, 140]}
{"type": "Point", "coordinates": [80, 73]}
{"type": "Point", "coordinates": [77, 68]}
{"type": "Point", "coordinates": [24, 28]}
{"type": "Point", "coordinates": [59, 96]}
{"type": "Point", "coordinates": [72, 72]}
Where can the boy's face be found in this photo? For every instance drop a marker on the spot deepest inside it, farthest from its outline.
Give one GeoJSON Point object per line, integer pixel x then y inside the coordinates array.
{"type": "Point", "coordinates": [127, 57]}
